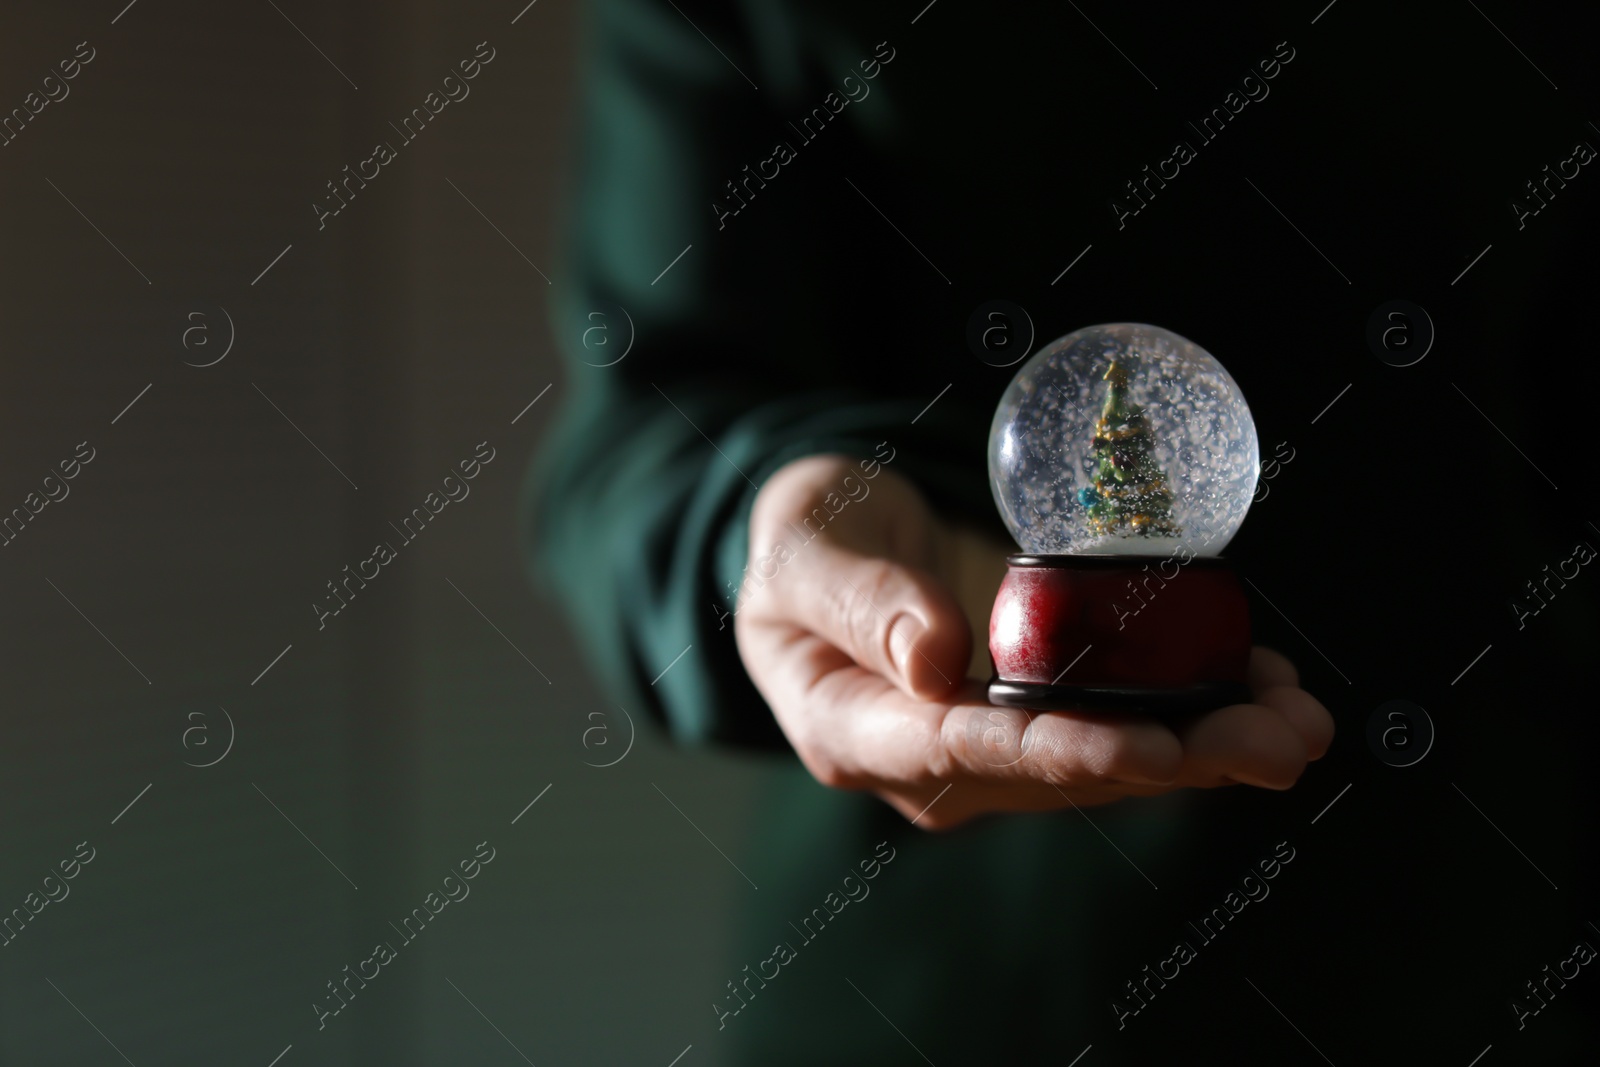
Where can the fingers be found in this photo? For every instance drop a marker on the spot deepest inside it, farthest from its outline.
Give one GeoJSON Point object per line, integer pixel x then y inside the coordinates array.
{"type": "Point", "coordinates": [1269, 668]}
{"type": "Point", "coordinates": [853, 729]}
{"type": "Point", "coordinates": [1276, 685]}
{"type": "Point", "coordinates": [862, 661]}
{"type": "Point", "coordinates": [1006, 745]}
{"type": "Point", "coordinates": [1304, 713]}
{"type": "Point", "coordinates": [892, 619]}
{"type": "Point", "coordinates": [860, 581]}
{"type": "Point", "coordinates": [1244, 743]}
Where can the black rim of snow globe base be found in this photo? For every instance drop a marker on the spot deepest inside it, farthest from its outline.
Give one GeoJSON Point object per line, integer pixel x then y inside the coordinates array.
{"type": "Point", "coordinates": [1118, 700]}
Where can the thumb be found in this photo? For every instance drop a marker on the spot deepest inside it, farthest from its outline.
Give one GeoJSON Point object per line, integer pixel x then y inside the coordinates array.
{"type": "Point", "coordinates": [893, 619]}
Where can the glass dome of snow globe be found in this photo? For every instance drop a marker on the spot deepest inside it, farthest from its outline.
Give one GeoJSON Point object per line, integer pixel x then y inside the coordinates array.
{"type": "Point", "coordinates": [1123, 440]}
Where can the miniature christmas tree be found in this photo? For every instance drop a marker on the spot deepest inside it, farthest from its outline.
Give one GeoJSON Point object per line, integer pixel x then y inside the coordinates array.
{"type": "Point", "coordinates": [1129, 495]}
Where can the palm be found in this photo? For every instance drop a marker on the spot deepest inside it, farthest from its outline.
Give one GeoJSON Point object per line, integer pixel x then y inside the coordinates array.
{"type": "Point", "coordinates": [862, 646]}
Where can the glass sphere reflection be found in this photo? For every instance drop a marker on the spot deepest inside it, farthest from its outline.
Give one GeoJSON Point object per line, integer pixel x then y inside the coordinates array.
{"type": "Point", "coordinates": [1123, 439]}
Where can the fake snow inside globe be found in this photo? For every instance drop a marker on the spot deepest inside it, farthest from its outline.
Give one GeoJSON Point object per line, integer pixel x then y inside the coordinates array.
{"type": "Point", "coordinates": [1125, 440]}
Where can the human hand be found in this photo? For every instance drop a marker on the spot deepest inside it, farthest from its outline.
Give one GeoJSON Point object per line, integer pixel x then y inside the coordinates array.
{"type": "Point", "coordinates": [861, 644]}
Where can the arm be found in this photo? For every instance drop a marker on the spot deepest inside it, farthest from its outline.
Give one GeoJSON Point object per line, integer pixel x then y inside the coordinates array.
{"type": "Point", "coordinates": [644, 493]}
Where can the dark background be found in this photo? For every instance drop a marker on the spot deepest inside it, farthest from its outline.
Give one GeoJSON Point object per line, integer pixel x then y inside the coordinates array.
{"type": "Point", "coordinates": [410, 330]}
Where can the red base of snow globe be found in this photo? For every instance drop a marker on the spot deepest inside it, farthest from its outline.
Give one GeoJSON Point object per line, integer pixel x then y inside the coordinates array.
{"type": "Point", "coordinates": [1126, 634]}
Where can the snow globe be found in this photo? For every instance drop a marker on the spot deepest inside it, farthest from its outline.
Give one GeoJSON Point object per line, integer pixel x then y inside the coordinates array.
{"type": "Point", "coordinates": [1123, 459]}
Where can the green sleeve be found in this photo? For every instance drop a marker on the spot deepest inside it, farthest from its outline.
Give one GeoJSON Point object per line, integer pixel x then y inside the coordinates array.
{"type": "Point", "coordinates": [641, 497]}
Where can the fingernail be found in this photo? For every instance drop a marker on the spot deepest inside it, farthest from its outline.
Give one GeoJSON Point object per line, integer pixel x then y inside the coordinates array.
{"type": "Point", "coordinates": [904, 633]}
{"type": "Point", "coordinates": [1260, 783]}
{"type": "Point", "coordinates": [1151, 779]}
{"type": "Point", "coordinates": [1138, 778]}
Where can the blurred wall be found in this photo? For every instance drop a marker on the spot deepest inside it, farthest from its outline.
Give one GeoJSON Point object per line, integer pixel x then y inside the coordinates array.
{"type": "Point", "coordinates": [161, 207]}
